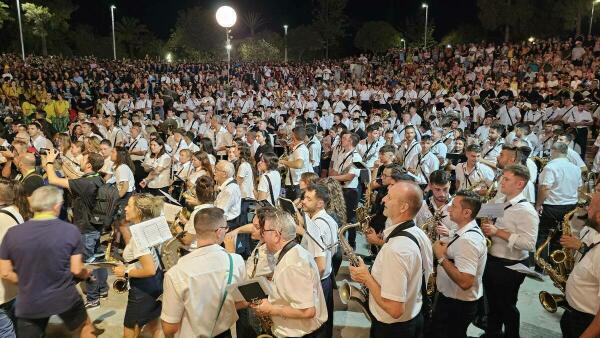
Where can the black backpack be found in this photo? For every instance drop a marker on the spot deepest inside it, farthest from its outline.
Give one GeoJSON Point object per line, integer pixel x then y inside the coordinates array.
{"type": "Point", "coordinates": [103, 211]}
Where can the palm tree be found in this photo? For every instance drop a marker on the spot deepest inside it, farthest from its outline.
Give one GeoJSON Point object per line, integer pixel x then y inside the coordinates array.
{"type": "Point", "coordinates": [39, 18]}
{"type": "Point", "coordinates": [253, 21]}
{"type": "Point", "coordinates": [130, 32]}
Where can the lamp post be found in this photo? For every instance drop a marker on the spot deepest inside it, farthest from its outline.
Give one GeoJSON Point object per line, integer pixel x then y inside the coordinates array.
{"type": "Point", "coordinates": [226, 18]}
{"type": "Point", "coordinates": [285, 28]}
{"type": "Point", "coordinates": [20, 30]}
{"type": "Point", "coordinates": [403, 43]}
{"type": "Point", "coordinates": [112, 19]}
{"type": "Point", "coordinates": [426, 6]}
{"type": "Point", "coordinates": [592, 16]}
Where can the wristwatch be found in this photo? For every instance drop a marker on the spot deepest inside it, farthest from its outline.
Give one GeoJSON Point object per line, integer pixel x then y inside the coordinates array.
{"type": "Point", "coordinates": [441, 260]}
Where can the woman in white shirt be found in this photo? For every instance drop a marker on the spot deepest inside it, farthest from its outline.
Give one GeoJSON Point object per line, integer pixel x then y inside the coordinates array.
{"type": "Point", "coordinates": [143, 271]}
{"type": "Point", "coordinates": [157, 164]}
{"type": "Point", "coordinates": [240, 155]}
{"type": "Point", "coordinates": [123, 173]}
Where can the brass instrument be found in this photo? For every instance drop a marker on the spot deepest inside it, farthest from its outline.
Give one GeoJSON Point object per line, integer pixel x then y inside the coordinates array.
{"type": "Point", "coordinates": [540, 162]}
{"type": "Point", "coordinates": [587, 189]}
{"type": "Point", "coordinates": [120, 285]}
{"type": "Point", "coordinates": [170, 250]}
{"type": "Point", "coordinates": [347, 291]}
{"type": "Point", "coordinates": [266, 322]}
{"type": "Point", "coordinates": [363, 212]}
{"type": "Point", "coordinates": [561, 265]}
{"type": "Point", "coordinates": [429, 227]}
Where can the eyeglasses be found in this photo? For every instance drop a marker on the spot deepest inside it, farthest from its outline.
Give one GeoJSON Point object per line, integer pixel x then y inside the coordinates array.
{"type": "Point", "coordinates": [263, 230]}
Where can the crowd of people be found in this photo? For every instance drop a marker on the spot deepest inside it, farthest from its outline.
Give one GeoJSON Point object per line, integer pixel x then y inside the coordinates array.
{"type": "Point", "coordinates": [414, 147]}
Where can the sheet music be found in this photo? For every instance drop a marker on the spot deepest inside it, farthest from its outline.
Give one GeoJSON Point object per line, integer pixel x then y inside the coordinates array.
{"type": "Point", "coordinates": [491, 210]}
{"type": "Point", "coordinates": [522, 268]}
{"type": "Point", "coordinates": [151, 232]}
{"type": "Point", "coordinates": [170, 211]}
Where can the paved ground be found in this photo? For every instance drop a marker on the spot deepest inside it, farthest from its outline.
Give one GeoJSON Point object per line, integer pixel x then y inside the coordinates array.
{"type": "Point", "coordinates": [349, 322]}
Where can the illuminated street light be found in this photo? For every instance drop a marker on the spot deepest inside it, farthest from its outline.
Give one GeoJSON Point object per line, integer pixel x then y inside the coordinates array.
{"type": "Point", "coordinates": [426, 6]}
{"type": "Point", "coordinates": [226, 18]}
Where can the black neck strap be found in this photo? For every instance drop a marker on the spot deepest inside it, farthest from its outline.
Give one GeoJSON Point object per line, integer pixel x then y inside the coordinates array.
{"type": "Point", "coordinates": [285, 250]}
{"type": "Point", "coordinates": [401, 227]}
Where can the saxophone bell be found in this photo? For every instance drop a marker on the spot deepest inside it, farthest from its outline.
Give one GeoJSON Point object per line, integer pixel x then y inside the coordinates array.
{"type": "Point", "coordinates": [121, 285]}
{"type": "Point", "coordinates": [551, 301]}
{"type": "Point", "coordinates": [350, 293]}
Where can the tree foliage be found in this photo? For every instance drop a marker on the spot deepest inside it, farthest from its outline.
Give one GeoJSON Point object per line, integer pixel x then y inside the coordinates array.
{"type": "Point", "coordinates": [132, 36]}
{"type": "Point", "coordinates": [258, 50]}
{"type": "Point", "coordinates": [301, 39]}
{"type": "Point", "coordinates": [197, 35]}
{"type": "Point", "coordinates": [4, 14]}
{"type": "Point", "coordinates": [464, 34]}
{"type": "Point", "coordinates": [377, 37]}
{"type": "Point", "coordinates": [38, 18]}
{"type": "Point", "coordinates": [330, 22]}
{"type": "Point", "coordinates": [253, 21]}
{"type": "Point", "coordinates": [414, 32]}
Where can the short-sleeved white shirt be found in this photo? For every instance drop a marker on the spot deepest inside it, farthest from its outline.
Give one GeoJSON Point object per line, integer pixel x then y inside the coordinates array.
{"type": "Point", "coordinates": [583, 285]}
{"type": "Point", "coordinates": [263, 185]}
{"type": "Point", "coordinates": [563, 180]}
{"type": "Point", "coordinates": [244, 173]}
{"type": "Point", "coordinates": [194, 287]}
{"type": "Point", "coordinates": [163, 178]}
{"type": "Point", "coordinates": [124, 174]}
{"type": "Point", "coordinates": [300, 152]}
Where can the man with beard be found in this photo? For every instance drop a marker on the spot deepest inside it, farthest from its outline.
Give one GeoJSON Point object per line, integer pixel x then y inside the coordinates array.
{"type": "Point", "coordinates": [583, 286]}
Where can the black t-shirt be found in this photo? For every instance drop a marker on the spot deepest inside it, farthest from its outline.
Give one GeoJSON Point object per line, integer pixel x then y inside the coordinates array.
{"type": "Point", "coordinates": [32, 182]}
{"type": "Point", "coordinates": [40, 251]}
{"type": "Point", "coordinates": [84, 104]}
{"type": "Point", "coordinates": [83, 191]}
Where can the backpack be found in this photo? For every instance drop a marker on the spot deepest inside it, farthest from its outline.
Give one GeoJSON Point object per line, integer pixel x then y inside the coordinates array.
{"type": "Point", "coordinates": [103, 211]}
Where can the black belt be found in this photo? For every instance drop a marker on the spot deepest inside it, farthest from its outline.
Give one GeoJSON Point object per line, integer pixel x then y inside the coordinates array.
{"type": "Point", "coordinates": [506, 261]}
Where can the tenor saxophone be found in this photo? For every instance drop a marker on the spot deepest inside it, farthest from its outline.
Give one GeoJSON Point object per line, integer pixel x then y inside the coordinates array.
{"type": "Point", "coordinates": [558, 269]}
{"type": "Point", "coordinates": [348, 292]}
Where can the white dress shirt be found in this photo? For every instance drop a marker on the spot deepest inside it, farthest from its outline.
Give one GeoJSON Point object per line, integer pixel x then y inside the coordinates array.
{"type": "Point", "coordinates": [296, 282]}
{"type": "Point", "coordinates": [300, 152]}
{"type": "Point", "coordinates": [563, 180]}
{"type": "Point", "coordinates": [162, 165]}
{"type": "Point", "coordinates": [424, 166]}
{"type": "Point", "coordinates": [346, 166]}
{"type": "Point", "coordinates": [229, 199]}
{"type": "Point", "coordinates": [583, 285]}
{"type": "Point", "coordinates": [481, 175]}
{"type": "Point", "coordinates": [468, 250]}
{"type": "Point", "coordinates": [263, 185]}
{"type": "Point", "coordinates": [398, 269]}
{"type": "Point", "coordinates": [490, 151]}
{"type": "Point", "coordinates": [194, 287]}
{"type": "Point", "coordinates": [369, 151]}
{"type": "Point", "coordinates": [522, 221]}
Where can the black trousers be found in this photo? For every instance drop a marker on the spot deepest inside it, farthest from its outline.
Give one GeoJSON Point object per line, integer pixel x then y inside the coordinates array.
{"type": "Point", "coordinates": [409, 329]}
{"type": "Point", "coordinates": [451, 317]}
{"type": "Point", "coordinates": [552, 217]}
{"type": "Point", "coordinates": [139, 174]}
{"type": "Point", "coordinates": [327, 285]}
{"type": "Point", "coordinates": [573, 323]}
{"type": "Point", "coordinates": [351, 198]}
{"type": "Point", "coordinates": [581, 139]}
{"type": "Point", "coordinates": [502, 290]}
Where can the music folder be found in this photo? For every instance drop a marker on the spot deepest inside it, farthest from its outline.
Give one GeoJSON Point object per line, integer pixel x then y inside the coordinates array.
{"type": "Point", "coordinates": [287, 205]}
{"type": "Point", "coordinates": [360, 165]}
{"type": "Point", "coordinates": [251, 290]}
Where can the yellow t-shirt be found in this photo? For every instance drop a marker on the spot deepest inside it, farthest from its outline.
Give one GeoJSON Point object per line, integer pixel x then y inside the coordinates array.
{"type": "Point", "coordinates": [61, 108]}
{"type": "Point", "coordinates": [49, 109]}
{"type": "Point", "coordinates": [28, 108]}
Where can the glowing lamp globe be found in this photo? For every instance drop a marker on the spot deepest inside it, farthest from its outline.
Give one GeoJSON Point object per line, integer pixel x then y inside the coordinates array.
{"type": "Point", "coordinates": [226, 16]}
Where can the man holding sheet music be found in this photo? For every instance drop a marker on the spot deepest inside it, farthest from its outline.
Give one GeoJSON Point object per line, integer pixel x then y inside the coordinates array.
{"type": "Point", "coordinates": [513, 236]}
{"type": "Point", "coordinates": [196, 301]}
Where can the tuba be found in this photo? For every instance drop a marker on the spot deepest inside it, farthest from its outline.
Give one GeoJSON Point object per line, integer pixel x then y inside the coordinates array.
{"type": "Point", "coordinates": [348, 292]}
{"type": "Point", "coordinates": [558, 269]}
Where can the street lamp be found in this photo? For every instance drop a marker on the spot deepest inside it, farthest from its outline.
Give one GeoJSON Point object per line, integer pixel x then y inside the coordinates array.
{"type": "Point", "coordinates": [226, 18]}
{"type": "Point", "coordinates": [285, 27]}
{"type": "Point", "coordinates": [112, 18]}
{"type": "Point", "coordinates": [169, 57]}
{"type": "Point", "coordinates": [531, 39]}
{"type": "Point", "coordinates": [20, 30]}
{"type": "Point", "coordinates": [403, 43]}
{"type": "Point", "coordinates": [426, 6]}
{"type": "Point", "coordinates": [592, 16]}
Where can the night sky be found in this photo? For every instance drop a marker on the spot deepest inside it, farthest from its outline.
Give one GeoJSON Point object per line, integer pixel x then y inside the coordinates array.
{"type": "Point", "coordinates": [160, 15]}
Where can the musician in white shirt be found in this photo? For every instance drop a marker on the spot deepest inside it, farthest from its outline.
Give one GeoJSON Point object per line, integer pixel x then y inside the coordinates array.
{"type": "Point", "coordinates": [409, 147]}
{"type": "Point", "coordinates": [472, 175]}
{"type": "Point", "coordinates": [508, 114]}
{"type": "Point", "coordinates": [229, 197]}
{"type": "Point", "coordinates": [439, 185]}
{"type": "Point", "coordinates": [492, 147]}
{"type": "Point", "coordinates": [513, 237]}
{"type": "Point", "coordinates": [369, 147]}
{"type": "Point", "coordinates": [583, 286]}
{"type": "Point", "coordinates": [558, 193]}
{"type": "Point", "coordinates": [395, 280]}
{"type": "Point", "coordinates": [461, 263]}
{"type": "Point", "coordinates": [314, 148]}
{"type": "Point", "coordinates": [157, 164]}
{"type": "Point", "coordinates": [319, 238]}
{"type": "Point", "coordinates": [424, 163]}
{"type": "Point", "coordinates": [298, 162]}
{"type": "Point", "coordinates": [296, 304]}
{"type": "Point", "coordinates": [269, 184]}
{"type": "Point", "coordinates": [203, 271]}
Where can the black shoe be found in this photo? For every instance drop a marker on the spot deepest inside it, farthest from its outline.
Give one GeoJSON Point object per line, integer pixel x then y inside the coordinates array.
{"type": "Point", "coordinates": [92, 304]}
{"type": "Point", "coordinates": [104, 294]}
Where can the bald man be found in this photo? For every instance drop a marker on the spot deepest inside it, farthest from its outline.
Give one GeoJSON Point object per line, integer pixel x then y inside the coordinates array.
{"type": "Point", "coordinates": [401, 268]}
{"type": "Point", "coordinates": [30, 179]}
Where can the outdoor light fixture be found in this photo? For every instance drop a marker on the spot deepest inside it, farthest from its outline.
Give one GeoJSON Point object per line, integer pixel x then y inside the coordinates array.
{"type": "Point", "coordinates": [112, 19]}
{"type": "Point", "coordinates": [285, 28]}
{"type": "Point", "coordinates": [226, 18]}
{"type": "Point", "coordinates": [169, 57]}
{"type": "Point", "coordinates": [426, 6]}
{"type": "Point", "coordinates": [531, 39]}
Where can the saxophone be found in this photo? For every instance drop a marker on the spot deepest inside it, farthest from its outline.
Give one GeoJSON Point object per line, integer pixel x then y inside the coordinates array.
{"type": "Point", "coordinates": [363, 212]}
{"type": "Point", "coordinates": [429, 227]}
{"type": "Point", "coordinates": [561, 265]}
{"type": "Point", "coordinates": [120, 285]}
{"type": "Point", "coordinates": [347, 291]}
